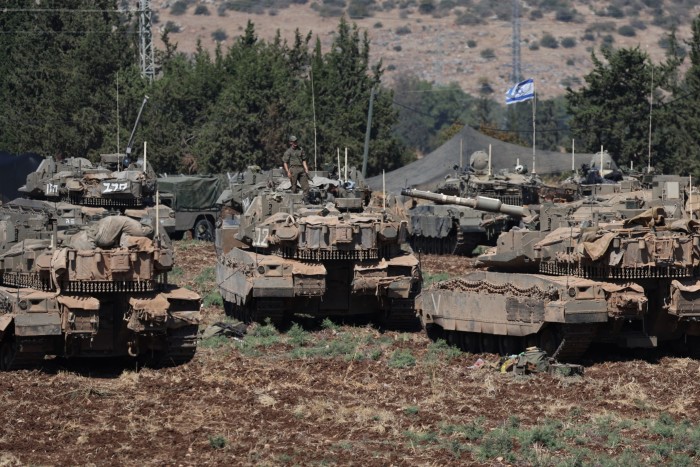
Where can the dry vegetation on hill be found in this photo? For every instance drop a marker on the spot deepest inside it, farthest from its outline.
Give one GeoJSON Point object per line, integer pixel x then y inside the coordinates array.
{"type": "Point", "coordinates": [438, 49]}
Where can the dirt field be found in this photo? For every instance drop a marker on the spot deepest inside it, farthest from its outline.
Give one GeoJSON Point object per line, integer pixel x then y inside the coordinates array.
{"type": "Point", "coordinates": [347, 395]}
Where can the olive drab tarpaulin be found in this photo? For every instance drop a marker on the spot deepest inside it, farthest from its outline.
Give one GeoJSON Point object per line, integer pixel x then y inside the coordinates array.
{"type": "Point", "coordinates": [193, 192]}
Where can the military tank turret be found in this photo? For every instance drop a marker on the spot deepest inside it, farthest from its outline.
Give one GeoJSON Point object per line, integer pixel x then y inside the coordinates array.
{"type": "Point", "coordinates": [342, 253]}
{"type": "Point", "coordinates": [616, 270]}
{"type": "Point", "coordinates": [442, 229]}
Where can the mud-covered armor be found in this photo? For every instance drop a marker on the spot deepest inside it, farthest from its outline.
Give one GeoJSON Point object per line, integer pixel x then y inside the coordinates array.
{"type": "Point", "coordinates": [343, 253]}
{"type": "Point", "coordinates": [621, 269]}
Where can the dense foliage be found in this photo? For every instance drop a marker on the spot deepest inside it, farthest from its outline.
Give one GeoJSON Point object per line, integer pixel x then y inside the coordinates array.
{"type": "Point", "coordinates": [640, 111]}
{"type": "Point", "coordinates": [70, 83]}
{"type": "Point", "coordinates": [70, 86]}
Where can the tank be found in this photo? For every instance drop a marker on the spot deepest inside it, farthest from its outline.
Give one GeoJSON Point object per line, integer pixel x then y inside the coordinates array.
{"type": "Point", "coordinates": [80, 282]}
{"type": "Point", "coordinates": [620, 269]}
{"type": "Point", "coordinates": [344, 253]}
{"type": "Point", "coordinates": [440, 229]}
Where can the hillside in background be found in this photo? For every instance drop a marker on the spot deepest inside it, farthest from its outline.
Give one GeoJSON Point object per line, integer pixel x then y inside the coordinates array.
{"type": "Point", "coordinates": [469, 42]}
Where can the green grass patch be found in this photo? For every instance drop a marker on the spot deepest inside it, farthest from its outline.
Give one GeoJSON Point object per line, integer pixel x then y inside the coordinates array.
{"type": "Point", "coordinates": [213, 299]}
{"type": "Point", "coordinates": [214, 342]}
{"type": "Point", "coordinates": [421, 437]}
{"type": "Point", "coordinates": [217, 442]}
{"type": "Point", "coordinates": [402, 358]}
{"type": "Point", "coordinates": [429, 278]}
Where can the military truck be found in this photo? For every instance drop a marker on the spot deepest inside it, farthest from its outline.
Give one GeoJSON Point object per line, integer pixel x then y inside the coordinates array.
{"type": "Point", "coordinates": [343, 253]}
{"type": "Point", "coordinates": [621, 269]}
{"type": "Point", "coordinates": [193, 199]}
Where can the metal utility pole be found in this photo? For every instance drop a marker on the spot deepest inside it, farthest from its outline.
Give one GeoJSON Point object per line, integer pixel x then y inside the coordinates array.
{"type": "Point", "coordinates": [516, 41]}
{"type": "Point", "coordinates": [148, 63]}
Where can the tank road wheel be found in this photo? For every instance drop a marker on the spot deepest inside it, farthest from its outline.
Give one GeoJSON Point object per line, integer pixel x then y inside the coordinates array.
{"type": "Point", "coordinates": [203, 230]}
{"type": "Point", "coordinates": [7, 355]}
{"type": "Point", "coordinates": [509, 345]}
{"type": "Point", "coordinates": [489, 343]}
{"type": "Point", "coordinates": [548, 340]}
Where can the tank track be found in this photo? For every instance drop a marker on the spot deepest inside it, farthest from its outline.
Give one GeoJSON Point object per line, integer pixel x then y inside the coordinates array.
{"type": "Point", "coordinates": [402, 316]}
{"type": "Point", "coordinates": [258, 311]}
{"type": "Point", "coordinates": [455, 243]}
{"type": "Point", "coordinates": [18, 355]}
{"type": "Point", "coordinates": [182, 344]}
{"type": "Point", "coordinates": [575, 341]}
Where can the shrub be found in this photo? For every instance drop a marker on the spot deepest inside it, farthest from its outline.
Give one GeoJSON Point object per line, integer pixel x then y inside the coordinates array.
{"type": "Point", "coordinates": [627, 31]}
{"type": "Point", "coordinates": [568, 42]}
{"type": "Point", "coordinates": [615, 12]}
{"type": "Point", "coordinates": [536, 14]}
{"type": "Point", "coordinates": [534, 45]}
{"type": "Point", "coordinates": [378, 25]}
{"type": "Point", "coordinates": [488, 54]}
{"type": "Point", "coordinates": [178, 8]}
{"type": "Point", "coordinates": [588, 36]}
{"type": "Point", "coordinates": [402, 358]}
{"type": "Point", "coordinates": [570, 62]}
{"type": "Point", "coordinates": [403, 30]}
{"type": "Point", "coordinates": [397, 48]}
{"type": "Point", "coordinates": [217, 442]}
{"type": "Point", "coordinates": [202, 10]}
{"type": "Point", "coordinates": [172, 27]}
{"type": "Point", "coordinates": [467, 19]}
{"type": "Point", "coordinates": [549, 41]}
{"type": "Point", "coordinates": [565, 15]}
{"type": "Point", "coordinates": [426, 7]}
{"type": "Point", "coordinates": [471, 43]}
{"type": "Point", "coordinates": [219, 35]}
{"type": "Point", "coordinates": [608, 39]}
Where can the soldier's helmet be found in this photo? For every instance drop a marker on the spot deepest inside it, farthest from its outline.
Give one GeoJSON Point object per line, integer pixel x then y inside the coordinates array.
{"type": "Point", "coordinates": [292, 139]}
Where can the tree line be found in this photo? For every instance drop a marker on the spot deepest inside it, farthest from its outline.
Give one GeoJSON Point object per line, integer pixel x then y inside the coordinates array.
{"type": "Point", "coordinates": [70, 85]}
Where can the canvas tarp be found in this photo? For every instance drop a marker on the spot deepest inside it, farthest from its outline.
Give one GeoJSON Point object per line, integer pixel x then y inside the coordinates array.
{"type": "Point", "coordinates": [193, 192]}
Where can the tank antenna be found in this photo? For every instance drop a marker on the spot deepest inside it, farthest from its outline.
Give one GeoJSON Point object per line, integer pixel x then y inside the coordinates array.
{"type": "Point", "coordinates": [651, 106]}
{"type": "Point", "coordinates": [346, 164]}
{"type": "Point", "coordinates": [144, 157]}
{"type": "Point", "coordinates": [313, 107]}
{"type": "Point", "coordinates": [384, 188]}
{"type": "Point", "coordinates": [158, 214]}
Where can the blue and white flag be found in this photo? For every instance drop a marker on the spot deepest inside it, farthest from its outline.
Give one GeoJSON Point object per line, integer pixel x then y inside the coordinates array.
{"type": "Point", "coordinates": [523, 91]}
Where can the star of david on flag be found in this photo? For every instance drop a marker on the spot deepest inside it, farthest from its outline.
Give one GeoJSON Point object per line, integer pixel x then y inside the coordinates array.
{"type": "Point", "coordinates": [523, 91]}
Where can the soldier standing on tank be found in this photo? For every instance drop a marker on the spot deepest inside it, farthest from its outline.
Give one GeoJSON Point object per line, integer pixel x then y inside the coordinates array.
{"type": "Point", "coordinates": [295, 165]}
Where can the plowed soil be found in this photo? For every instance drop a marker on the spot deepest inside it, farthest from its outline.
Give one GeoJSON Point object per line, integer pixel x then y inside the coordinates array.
{"type": "Point", "coordinates": [335, 394]}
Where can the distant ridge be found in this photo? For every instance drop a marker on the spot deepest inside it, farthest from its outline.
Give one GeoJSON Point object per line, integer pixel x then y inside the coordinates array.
{"type": "Point", "coordinates": [426, 172]}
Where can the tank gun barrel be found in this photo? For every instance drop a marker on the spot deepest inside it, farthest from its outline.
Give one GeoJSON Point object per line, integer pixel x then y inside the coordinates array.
{"type": "Point", "coordinates": [480, 203]}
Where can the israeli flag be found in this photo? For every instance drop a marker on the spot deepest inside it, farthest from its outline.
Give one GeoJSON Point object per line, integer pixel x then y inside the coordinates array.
{"type": "Point", "coordinates": [523, 91]}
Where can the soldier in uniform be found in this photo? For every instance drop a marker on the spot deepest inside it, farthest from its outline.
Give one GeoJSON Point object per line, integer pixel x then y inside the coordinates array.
{"type": "Point", "coordinates": [295, 165]}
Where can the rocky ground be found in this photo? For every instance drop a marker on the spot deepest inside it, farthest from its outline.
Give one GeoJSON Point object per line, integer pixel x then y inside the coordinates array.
{"type": "Point", "coordinates": [332, 394]}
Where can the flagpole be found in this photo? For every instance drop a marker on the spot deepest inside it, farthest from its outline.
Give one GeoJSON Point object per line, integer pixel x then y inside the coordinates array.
{"type": "Point", "coordinates": [534, 101]}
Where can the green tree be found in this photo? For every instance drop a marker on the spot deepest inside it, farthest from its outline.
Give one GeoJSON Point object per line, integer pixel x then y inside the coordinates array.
{"type": "Point", "coordinates": [612, 109]}
{"type": "Point", "coordinates": [678, 121]}
{"type": "Point", "coordinates": [59, 68]}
